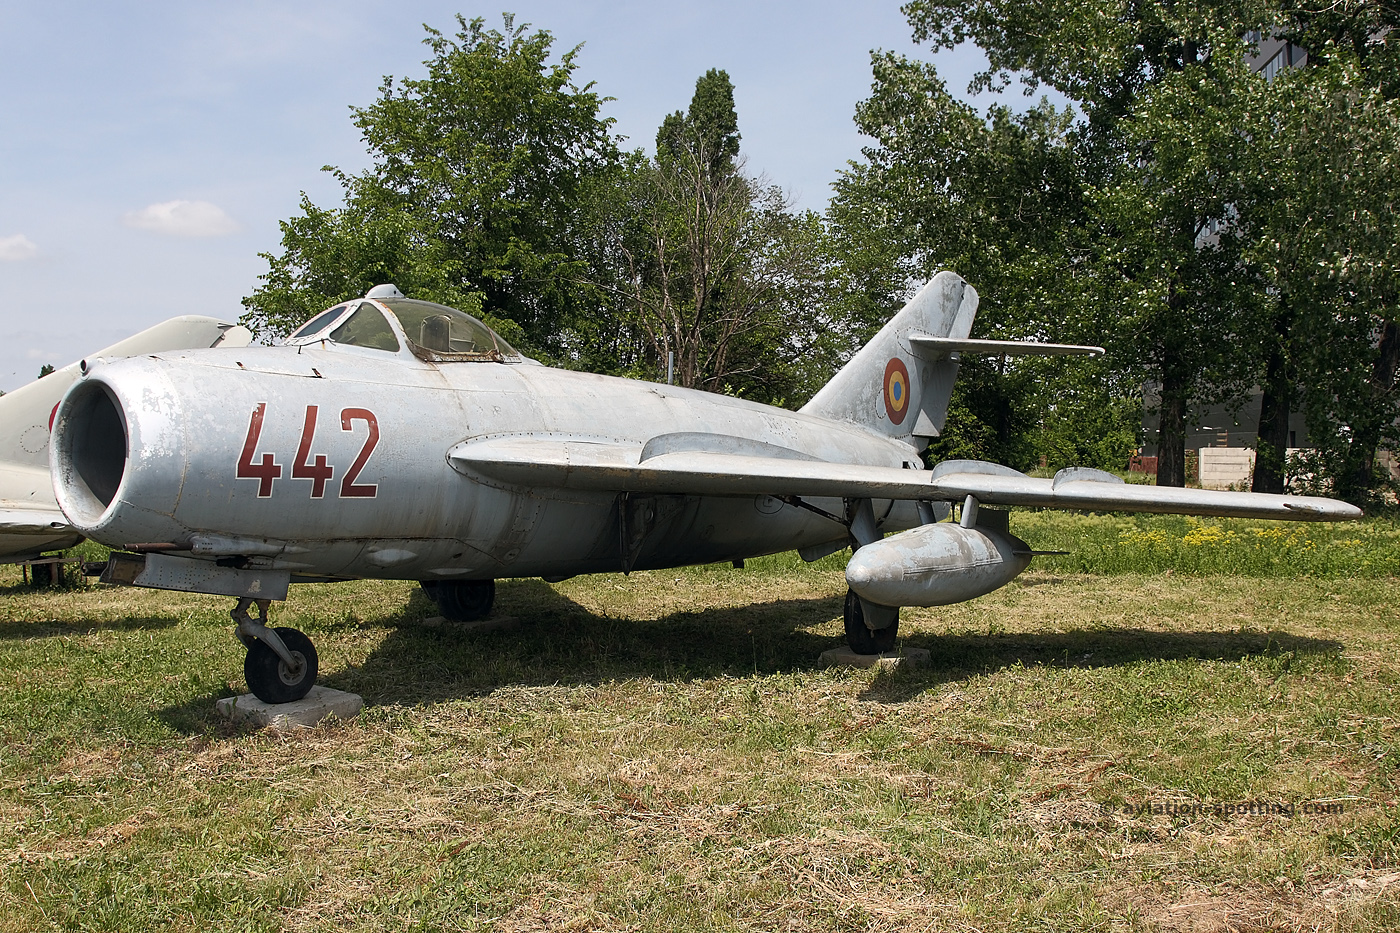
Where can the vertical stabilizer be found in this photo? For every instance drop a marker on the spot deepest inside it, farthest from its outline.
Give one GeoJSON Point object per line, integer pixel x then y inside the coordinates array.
{"type": "Point", "coordinates": [890, 389]}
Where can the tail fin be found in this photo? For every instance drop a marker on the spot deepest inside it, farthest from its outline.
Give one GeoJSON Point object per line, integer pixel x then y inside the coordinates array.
{"type": "Point", "coordinates": [888, 386]}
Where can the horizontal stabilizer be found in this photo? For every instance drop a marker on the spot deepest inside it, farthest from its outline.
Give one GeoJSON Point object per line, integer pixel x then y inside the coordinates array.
{"type": "Point", "coordinates": [931, 347]}
{"type": "Point", "coordinates": [571, 463]}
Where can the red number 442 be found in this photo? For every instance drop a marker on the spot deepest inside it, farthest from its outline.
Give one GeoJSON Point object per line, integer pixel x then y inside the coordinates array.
{"type": "Point", "coordinates": [316, 468]}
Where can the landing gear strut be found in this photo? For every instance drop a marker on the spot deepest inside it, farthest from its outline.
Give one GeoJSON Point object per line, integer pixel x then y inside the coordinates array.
{"type": "Point", "coordinates": [280, 666]}
{"type": "Point", "coordinates": [462, 600]}
{"type": "Point", "coordinates": [865, 640]}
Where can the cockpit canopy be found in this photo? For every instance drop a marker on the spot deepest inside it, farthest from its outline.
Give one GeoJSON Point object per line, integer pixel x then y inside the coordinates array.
{"type": "Point", "coordinates": [434, 332]}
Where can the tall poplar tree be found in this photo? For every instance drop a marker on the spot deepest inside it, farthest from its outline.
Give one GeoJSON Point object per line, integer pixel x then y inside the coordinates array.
{"type": "Point", "coordinates": [1001, 199]}
{"type": "Point", "coordinates": [710, 264]}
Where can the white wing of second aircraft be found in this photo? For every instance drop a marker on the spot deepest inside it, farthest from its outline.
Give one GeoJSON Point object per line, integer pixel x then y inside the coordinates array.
{"type": "Point", "coordinates": [584, 464]}
{"type": "Point", "coordinates": [30, 520]}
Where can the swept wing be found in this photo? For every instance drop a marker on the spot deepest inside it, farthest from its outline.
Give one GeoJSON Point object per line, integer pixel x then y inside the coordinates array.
{"type": "Point", "coordinates": [570, 463]}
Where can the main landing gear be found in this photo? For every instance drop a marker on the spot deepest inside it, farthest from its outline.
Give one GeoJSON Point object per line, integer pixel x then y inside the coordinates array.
{"type": "Point", "coordinates": [462, 600]}
{"type": "Point", "coordinates": [280, 666]}
{"type": "Point", "coordinates": [865, 640]}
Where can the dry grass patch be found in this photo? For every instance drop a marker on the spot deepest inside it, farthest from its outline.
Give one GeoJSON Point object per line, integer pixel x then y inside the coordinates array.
{"type": "Point", "coordinates": [662, 751]}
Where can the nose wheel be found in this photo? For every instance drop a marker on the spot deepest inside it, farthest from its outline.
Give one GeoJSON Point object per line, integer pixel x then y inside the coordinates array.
{"type": "Point", "coordinates": [280, 666]}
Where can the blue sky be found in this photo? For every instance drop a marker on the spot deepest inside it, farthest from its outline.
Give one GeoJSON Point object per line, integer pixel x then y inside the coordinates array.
{"type": "Point", "coordinates": [147, 151]}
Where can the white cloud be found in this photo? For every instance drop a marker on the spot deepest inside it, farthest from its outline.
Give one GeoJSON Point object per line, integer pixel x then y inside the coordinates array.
{"type": "Point", "coordinates": [34, 354]}
{"type": "Point", "coordinates": [17, 248]}
{"type": "Point", "coordinates": [183, 218]}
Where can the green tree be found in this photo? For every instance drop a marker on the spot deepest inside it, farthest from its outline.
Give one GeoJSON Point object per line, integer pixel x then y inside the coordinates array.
{"type": "Point", "coordinates": [1328, 243]}
{"type": "Point", "coordinates": [1170, 241]}
{"type": "Point", "coordinates": [1325, 240]}
{"type": "Point", "coordinates": [480, 177]}
{"type": "Point", "coordinates": [708, 132]}
{"type": "Point", "coordinates": [1137, 71]}
{"type": "Point", "coordinates": [1223, 235]}
{"type": "Point", "coordinates": [1003, 200]}
{"type": "Point", "coordinates": [329, 255]}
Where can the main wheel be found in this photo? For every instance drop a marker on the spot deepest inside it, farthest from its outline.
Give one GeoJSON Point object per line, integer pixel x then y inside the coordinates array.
{"type": "Point", "coordinates": [866, 640]}
{"type": "Point", "coordinates": [465, 600]}
{"type": "Point", "coordinates": [268, 675]}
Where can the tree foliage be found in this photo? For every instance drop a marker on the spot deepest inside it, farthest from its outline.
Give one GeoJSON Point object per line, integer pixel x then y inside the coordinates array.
{"type": "Point", "coordinates": [1001, 199]}
{"type": "Point", "coordinates": [1326, 239]}
{"type": "Point", "coordinates": [1217, 231]}
{"type": "Point", "coordinates": [497, 187]}
{"type": "Point", "coordinates": [710, 265]}
{"type": "Point", "coordinates": [479, 181]}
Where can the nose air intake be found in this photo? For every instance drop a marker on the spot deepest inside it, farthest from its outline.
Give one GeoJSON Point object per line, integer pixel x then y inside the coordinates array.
{"type": "Point", "coordinates": [90, 456]}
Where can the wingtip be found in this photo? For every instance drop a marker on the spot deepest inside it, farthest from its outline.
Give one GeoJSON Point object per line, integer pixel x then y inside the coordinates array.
{"type": "Point", "coordinates": [1331, 510]}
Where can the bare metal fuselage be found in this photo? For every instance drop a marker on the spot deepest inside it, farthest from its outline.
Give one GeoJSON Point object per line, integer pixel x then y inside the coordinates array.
{"type": "Point", "coordinates": [332, 461]}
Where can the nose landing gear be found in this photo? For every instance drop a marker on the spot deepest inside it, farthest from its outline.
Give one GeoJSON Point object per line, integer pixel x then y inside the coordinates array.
{"type": "Point", "coordinates": [280, 666]}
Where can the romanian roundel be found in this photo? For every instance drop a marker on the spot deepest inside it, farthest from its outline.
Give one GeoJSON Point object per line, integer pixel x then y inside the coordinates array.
{"type": "Point", "coordinates": [896, 390]}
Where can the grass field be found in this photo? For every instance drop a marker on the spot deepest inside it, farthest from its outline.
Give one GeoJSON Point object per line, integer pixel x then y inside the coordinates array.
{"type": "Point", "coordinates": [1208, 745]}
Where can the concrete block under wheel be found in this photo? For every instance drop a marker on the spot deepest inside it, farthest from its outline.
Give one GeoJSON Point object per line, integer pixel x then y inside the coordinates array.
{"type": "Point", "coordinates": [845, 657]}
{"type": "Point", "coordinates": [320, 703]}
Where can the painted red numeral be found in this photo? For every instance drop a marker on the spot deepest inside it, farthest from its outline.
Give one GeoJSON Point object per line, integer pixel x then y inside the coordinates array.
{"type": "Point", "coordinates": [319, 472]}
{"type": "Point", "coordinates": [268, 469]}
{"type": "Point", "coordinates": [348, 487]}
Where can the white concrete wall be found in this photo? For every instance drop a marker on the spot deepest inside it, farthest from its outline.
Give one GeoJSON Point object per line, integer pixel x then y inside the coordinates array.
{"type": "Point", "coordinates": [1223, 467]}
{"type": "Point", "coordinates": [1389, 460]}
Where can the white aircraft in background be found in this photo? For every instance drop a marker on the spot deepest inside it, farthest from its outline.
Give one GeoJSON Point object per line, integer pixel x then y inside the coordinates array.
{"type": "Point", "coordinates": [30, 520]}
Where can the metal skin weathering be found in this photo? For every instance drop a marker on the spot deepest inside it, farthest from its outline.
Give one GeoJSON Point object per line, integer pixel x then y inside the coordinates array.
{"type": "Point", "coordinates": [397, 439]}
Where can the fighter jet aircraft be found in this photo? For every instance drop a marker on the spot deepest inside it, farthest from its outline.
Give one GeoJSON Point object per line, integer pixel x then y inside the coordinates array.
{"type": "Point", "coordinates": [30, 520]}
{"type": "Point", "coordinates": [399, 439]}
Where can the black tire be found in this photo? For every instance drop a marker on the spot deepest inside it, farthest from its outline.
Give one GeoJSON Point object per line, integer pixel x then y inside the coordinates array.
{"type": "Point", "coordinates": [864, 640]}
{"type": "Point", "coordinates": [465, 600]}
{"type": "Point", "coordinates": [268, 676]}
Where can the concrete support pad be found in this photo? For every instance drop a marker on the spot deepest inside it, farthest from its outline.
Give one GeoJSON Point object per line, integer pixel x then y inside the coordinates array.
{"type": "Point", "coordinates": [845, 657]}
{"type": "Point", "coordinates": [286, 717]}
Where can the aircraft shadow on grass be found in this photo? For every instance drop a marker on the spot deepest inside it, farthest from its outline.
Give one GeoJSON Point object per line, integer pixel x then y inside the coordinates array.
{"type": "Point", "coordinates": [55, 628]}
{"type": "Point", "coordinates": [550, 639]}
